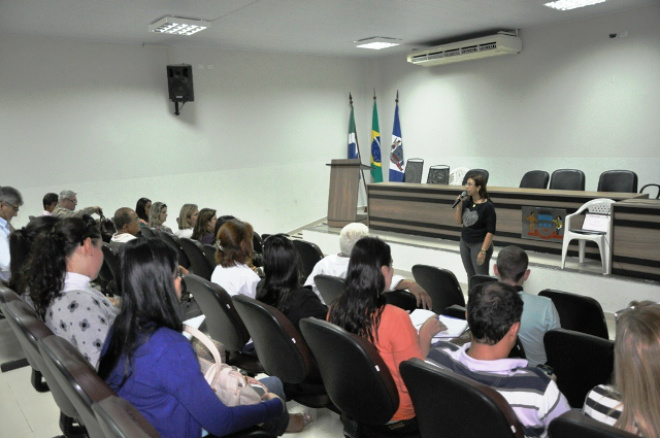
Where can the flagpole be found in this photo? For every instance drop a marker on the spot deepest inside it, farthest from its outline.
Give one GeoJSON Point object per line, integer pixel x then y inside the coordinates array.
{"type": "Point", "coordinates": [357, 144]}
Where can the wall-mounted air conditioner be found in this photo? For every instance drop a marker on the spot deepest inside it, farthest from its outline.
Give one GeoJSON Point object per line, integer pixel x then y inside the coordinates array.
{"type": "Point", "coordinates": [476, 48]}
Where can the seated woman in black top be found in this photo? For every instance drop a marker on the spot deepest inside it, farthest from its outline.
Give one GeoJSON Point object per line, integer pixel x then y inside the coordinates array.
{"type": "Point", "coordinates": [281, 288]}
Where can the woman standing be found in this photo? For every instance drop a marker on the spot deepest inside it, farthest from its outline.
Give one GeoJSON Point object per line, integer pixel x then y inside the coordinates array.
{"type": "Point", "coordinates": [148, 362]}
{"type": "Point", "coordinates": [362, 310]}
{"type": "Point", "coordinates": [60, 268]}
{"type": "Point", "coordinates": [477, 215]}
{"type": "Point", "coordinates": [633, 403]}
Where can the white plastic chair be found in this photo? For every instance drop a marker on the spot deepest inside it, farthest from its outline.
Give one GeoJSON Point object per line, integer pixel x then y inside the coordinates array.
{"type": "Point", "coordinates": [603, 240]}
{"type": "Point", "coordinates": [456, 176]}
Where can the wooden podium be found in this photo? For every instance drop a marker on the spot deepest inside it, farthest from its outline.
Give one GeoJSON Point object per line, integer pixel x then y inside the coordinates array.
{"type": "Point", "coordinates": [344, 187]}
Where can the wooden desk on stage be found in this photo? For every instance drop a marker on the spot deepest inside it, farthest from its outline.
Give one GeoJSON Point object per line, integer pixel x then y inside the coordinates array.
{"type": "Point", "coordinates": [425, 210]}
{"type": "Point", "coordinates": [636, 247]}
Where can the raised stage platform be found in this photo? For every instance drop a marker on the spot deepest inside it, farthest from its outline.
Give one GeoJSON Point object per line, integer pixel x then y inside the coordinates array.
{"type": "Point", "coordinates": [613, 292]}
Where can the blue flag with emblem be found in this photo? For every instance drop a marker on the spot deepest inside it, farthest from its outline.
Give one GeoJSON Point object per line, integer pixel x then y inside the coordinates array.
{"type": "Point", "coordinates": [397, 164]}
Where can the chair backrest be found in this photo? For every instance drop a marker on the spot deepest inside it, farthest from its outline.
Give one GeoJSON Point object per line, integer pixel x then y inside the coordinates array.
{"type": "Point", "coordinates": [646, 186]}
{"type": "Point", "coordinates": [455, 405]}
{"type": "Point", "coordinates": [199, 264]}
{"type": "Point", "coordinates": [222, 321]}
{"type": "Point", "coordinates": [310, 254]}
{"type": "Point", "coordinates": [535, 179]}
{"type": "Point", "coordinates": [174, 241]}
{"type": "Point", "coordinates": [578, 313]}
{"type": "Point", "coordinates": [441, 284]}
{"type": "Point", "coordinates": [624, 181]}
{"type": "Point", "coordinates": [148, 232]}
{"type": "Point", "coordinates": [580, 362]}
{"type": "Point", "coordinates": [7, 295]}
{"type": "Point", "coordinates": [477, 279]}
{"type": "Point", "coordinates": [280, 347]}
{"type": "Point", "coordinates": [29, 329]}
{"type": "Point", "coordinates": [574, 424]}
{"type": "Point", "coordinates": [118, 418]}
{"type": "Point", "coordinates": [413, 171]}
{"type": "Point", "coordinates": [77, 378]}
{"type": "Point", "coordinates": [355, 376]}
{"type": "Point", "coordinates": [471, 172]}
{"type": "Point", "coordinates": [330, 287]}
{"type": "Point", "coordinates": [438, 174]}
{"type": "Point", "coordinates": [567, 179]}
{"type": "Point", "coordinates": [209, 253]}
{"type": "Point", "coordinates": [111, 261]}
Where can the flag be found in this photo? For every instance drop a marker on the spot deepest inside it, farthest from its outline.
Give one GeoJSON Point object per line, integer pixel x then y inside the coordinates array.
{"type": "Point", "coordinates": [376, 165]}
{"type": "Point", "coordinates": [397, 165]}
{"type": "Point", "coordinates": [352, 136]}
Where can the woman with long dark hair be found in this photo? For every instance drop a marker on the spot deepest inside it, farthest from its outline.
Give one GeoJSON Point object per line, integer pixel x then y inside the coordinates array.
{"type": "Point", "coordinates": [633, 402]}
{"type": "Point", "coordinates": [362, 310]}
{"type": "Point", "coordinates": [147, 360]}
{"type": "Point", "coordinates": [477, 215]}
{"type": "Point", "coordinates": [205, 226]}
{"type": "Point", "coordinates": [61, 265]}
{"type": "Point", "coordinates": [142, 209]}
{"type": "Point", "coordinates": [282, 287]}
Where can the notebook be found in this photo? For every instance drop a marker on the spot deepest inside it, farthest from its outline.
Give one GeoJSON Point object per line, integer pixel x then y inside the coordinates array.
{"type": "Point", "coordinates": [455, 326]}
{"type": "Point", "coordinates": [594, 223]}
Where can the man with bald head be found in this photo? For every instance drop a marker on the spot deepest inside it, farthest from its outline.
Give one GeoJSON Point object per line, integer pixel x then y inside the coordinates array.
{"type": "Point", "coordinates": [127, 225]}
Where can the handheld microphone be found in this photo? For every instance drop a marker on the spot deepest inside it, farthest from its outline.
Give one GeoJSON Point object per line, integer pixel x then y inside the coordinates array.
{"type": "Point", "coordinates": [463, 195]}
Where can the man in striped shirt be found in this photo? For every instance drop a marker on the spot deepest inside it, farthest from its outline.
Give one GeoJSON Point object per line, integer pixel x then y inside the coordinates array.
{"type": "Point", "coordinates": [493, 313]}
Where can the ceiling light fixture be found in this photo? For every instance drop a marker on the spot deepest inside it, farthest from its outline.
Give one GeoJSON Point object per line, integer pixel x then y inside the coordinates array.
{"type": "Point", "coordinates": [178, 26]}
{"type": "Point", "coordinates": [566, 5]}
{"type": "Point", "coordinates": [376, 43]}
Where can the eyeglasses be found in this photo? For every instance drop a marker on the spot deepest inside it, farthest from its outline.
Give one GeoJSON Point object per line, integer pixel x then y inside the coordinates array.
{"type": "Point", "coordinates": [15, 207]}
{"type": "Point", "coordinates": [75, 201]}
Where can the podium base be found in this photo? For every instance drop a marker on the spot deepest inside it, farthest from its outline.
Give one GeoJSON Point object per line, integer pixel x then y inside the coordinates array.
{"type": "Point", "coordinates": [336, 223]}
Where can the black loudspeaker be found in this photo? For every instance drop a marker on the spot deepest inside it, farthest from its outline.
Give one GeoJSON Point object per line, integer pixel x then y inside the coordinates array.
{"type": "Point", "coordinates": [180, 83]}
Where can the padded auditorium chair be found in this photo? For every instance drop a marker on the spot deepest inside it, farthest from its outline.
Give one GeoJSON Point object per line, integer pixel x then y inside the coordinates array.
{"type": "Point", "coordinates": [438, 174]}
{"type": "Point", "coordinates": [7, 295]}
{"type": "Point", "coordinates": [535, 179]}
{"type": "Point", "coordinates": [656, 186]}
{"type": "Point", "coordinates": [451, 405]}
{"type": "Point", "coordinates": [579, 361]}
{"type": "Point", "coordinates": [574, 424]}
{"type": "Point", "coordinates": [283, 352]}
{"type": "Point", "coordinates": [478, 279]}
{"type": "Point", "coordinates": [174, 241]}
{"type": "Point", "coordinates": [118, 418]}
{"type": "Point", "coordinates": [413, 171]}
{"type": "Point", "coordinates": [567, 179]}
{"type": "Point", "coordinates": [223, 322]}
{"type": "Point", "coordinates": [357, 380]}
{"type": "Point", "coordinates": [578, 313]}
{"type": "Point", "coordinates": [199, 264]}
{"type": "Point", "coordinates": [471, 172]}
{"type": "Point", "coordinates": [310, 254]}
{"type": "Point", "coordinates": [330, 287]}
{"type": "Point", "coordinates": [111, 266]}
{"type": "Point", "coordinates": [441, 285]}
{"type": "Point", "coordinates": [624, 181]}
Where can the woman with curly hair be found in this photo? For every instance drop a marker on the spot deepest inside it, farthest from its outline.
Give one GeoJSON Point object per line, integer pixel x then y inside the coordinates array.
{"type": "Point", "coordinates": [62, 264]}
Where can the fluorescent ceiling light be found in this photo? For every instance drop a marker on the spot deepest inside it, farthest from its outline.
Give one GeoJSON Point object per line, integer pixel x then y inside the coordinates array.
{"type": "Point", "coordinates": [376, 43]}
{"type": "Point", "coordinates": [565, 5]}
{"type": "Point", "coordinates": [178, 26]}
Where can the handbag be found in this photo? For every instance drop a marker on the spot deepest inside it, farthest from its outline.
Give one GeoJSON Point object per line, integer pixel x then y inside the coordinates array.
{"type": "Point", "coordinates": [231, 387]}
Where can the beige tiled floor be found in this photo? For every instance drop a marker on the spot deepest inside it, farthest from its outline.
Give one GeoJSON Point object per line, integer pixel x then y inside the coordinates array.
{"type": "Point", "coordinates": [25, 413]}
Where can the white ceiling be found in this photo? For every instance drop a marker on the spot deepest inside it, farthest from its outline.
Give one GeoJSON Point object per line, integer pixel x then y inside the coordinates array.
{"type": "Point", "coordinates": [324, 27]}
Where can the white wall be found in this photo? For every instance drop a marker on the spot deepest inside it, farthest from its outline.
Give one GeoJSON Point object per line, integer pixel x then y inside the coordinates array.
{"type": "Point", "coordinates": [94, 117]}
{"type": "Point", "coordinates": [574, 98]}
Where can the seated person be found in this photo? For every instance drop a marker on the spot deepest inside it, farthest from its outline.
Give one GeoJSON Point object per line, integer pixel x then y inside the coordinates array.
{"type": "Point", "coordinates": [49, 202]}
{"type": "Point", "coordinates": [233, 272]}
{"type": "Point", "coordinates": [142, 208]}
{"type": "Point", "coordinates": [66, 206]}
{"type": "Point", "coordinates": [281, 287]}
{"type": "Point", "coordinates": [362, 310]}
{"type": "Point", "coordinates": [158, 216]}
{"type": "Point", "coordinates": [186, 220]}
{"type": "Point", "coordinates": [61, 266]}
{"type": "Point", "coordinates": [128, 226]}
{"type": "Point", "coordinates": [493, 314]}
{"type": "Point", "coordinates": [539, 313]}
{"type": "Point", "coordinates": [148, 362]}
{"type": "Point", "coordinates": [337, 265]}
{"type": "Point", "coordinates": [204, 230]}
{"type": "Point", "coordinates": [633, 403]}
{"type": "Point", "coordinates": [10, 202]}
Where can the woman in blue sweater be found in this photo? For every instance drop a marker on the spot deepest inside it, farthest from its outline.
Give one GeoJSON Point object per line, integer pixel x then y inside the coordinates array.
{"type": "Point", "coordinates": [147, 360]}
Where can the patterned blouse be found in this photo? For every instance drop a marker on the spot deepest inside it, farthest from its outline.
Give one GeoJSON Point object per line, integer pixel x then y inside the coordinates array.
{"type": "Point", "coordinates": [82, 315]}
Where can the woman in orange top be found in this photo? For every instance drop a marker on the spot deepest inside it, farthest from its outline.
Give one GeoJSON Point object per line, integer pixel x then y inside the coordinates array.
{"type": "Point", "coordinates": [362, 310]}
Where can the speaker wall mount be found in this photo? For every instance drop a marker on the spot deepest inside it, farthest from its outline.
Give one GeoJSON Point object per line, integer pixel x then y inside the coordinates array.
{"type": "Point", "coordinates": [180, 85]}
